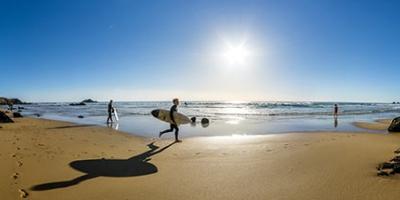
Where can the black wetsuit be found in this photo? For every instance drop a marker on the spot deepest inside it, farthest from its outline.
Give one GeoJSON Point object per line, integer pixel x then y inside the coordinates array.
{"type": "Point", "coordinates": [173, 126]}
{"type": "Point", "coordinates": [110, 110]}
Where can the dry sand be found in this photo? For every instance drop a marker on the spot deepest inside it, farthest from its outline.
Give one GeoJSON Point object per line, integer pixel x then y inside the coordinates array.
{"type": "Point", "coordinates": [58, 160]}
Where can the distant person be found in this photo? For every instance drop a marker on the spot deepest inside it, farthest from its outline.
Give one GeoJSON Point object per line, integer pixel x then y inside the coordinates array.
{"type": "Point", "coordinates": [335, 110]}
{"type": "Point", "coordinates": [10, 105]}
{"type": "Point", "coordinates": [173, 125]}
{"type": "Point", "coordinates": [110, 111]}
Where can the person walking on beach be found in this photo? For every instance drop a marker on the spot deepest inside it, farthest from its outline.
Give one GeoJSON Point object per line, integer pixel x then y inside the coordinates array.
{"type": "Point", "coordinates": [335, 110]}
{"type": "Point", "coordinates": [110, 111]}
{"type": "Point", "coordinates": [173, 125]}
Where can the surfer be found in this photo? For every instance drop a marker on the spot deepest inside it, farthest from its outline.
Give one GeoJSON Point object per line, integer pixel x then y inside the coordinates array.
{"type": "Point", "coordinates": [110, 111]}
{"type": "Point", "coordinates": [174, 108]}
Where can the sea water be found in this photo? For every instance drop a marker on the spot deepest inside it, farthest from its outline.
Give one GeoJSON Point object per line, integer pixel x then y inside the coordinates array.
{"type": "Point", "coordinates": [227, 118]}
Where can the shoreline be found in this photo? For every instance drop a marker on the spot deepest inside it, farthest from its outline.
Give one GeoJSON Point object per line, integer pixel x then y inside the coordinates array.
{"type": "Point", "coordinates": [148, 127]}
{"type": "Point", "coordinates": [235, 118]}
{"type": "Point", "coordinates": [59, 160]}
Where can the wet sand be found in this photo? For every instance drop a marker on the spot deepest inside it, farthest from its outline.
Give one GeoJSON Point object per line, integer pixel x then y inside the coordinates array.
{"type": "Point", "coordinates": [45, 159]}
{"type": "Point", "coordinates": [377, 125]}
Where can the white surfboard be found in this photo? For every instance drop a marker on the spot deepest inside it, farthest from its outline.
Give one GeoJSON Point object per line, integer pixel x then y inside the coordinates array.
{"type": "Point", "coordinates": [116, 114]}
{"type": "Point", "coordinates": [164, 115]}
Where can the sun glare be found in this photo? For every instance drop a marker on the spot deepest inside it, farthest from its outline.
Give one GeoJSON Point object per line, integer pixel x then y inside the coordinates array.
{"type": "Point", "coordinates": [236, 55]}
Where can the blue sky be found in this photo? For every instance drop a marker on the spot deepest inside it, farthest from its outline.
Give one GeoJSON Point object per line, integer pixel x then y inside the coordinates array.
{"type": "Point", "coordinates": [156, 50]}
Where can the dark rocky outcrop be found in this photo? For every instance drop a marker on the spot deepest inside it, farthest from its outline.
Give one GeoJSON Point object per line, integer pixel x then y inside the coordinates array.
{"type": "Point", "coordinates": [6, 101]}
{"type": "Point", "coordinates": [395, 125]}
{"type": "Point", "coordinates": [80, 116]}
{"type": "Point", "coordinates": [77, 104]}
{"type": "Point", "coordinates": [88, 101]}
{"type": "Point", "coordinates": [193, 119]}
{"type": "Point", "coordinates": [4, 118]}
{"type": "Point", "coordinates": [17, 115]}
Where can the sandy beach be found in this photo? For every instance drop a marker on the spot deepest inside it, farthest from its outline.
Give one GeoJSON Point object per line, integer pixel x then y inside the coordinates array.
{"type": "Point", "coordinates": [59, 160]}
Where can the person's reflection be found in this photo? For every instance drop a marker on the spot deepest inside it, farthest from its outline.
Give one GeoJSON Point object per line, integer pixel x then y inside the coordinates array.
{"type": "Point", "coordinates": [335, 123]}
{"type": "Point", "coordinates": [113, 126]}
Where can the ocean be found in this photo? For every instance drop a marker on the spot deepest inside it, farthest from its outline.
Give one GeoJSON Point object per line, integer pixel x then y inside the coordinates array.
{"type": "Point", "coordinates": [227, 118]}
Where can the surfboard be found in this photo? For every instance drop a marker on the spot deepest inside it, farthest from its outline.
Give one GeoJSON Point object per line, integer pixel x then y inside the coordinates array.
{"type": "Point", "coordinates": [116, 114]}
{"type": "Point", "coordinates": [164, 116]}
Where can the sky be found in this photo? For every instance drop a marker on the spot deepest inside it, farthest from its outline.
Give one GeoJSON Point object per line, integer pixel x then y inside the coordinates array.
{"type": "Point", "coordinates": [300, 50]}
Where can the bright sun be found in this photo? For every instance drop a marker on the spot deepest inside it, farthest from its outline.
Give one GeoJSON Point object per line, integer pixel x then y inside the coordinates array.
{"type": "Point", "coordinates": [236, 55]}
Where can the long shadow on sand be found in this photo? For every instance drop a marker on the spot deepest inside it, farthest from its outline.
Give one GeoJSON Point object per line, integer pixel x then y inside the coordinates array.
{"type": "Point", "coordinates": [72, 126]}
{"type": "Point", "coordinates": [135, 166]}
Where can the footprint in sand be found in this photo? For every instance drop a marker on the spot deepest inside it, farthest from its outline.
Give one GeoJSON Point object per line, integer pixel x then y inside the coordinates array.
{"type": "Point", "coordinates": [397, 151]}
{"type": "Point", "coordinates": [15, 176]}
{"type": "Point", "coordinates": [23, 193]}
{"type": "Point", "coordinates": [20, 163]}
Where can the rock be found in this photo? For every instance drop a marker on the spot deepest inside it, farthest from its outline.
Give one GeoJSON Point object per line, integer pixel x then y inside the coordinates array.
{"type": "Point", "coordinates": [6, 101]}
{"type": "Point", "coordinates": [385, 165]}
{"type": "Point", "coordinates": [77, 104]}
{"type": "Point", "coordinates": [382, 173]}
{"type": "Point", "coordinates": [15, 101]}
{"type": "Point", "coordinates": [205, 121]}
{"type": "Point", "coordinates": [396, 159]}
{"type": "Point", "coordinates": [3, 101]}
{"type": "Point", "coordinates": [395, 125]}
{"type": "Point", "coordinates": [20, 108]}
{"type": "Point", "coordinates": [89, 101]}
{"type": "Point", "coordinates": [17, 115]}
{"type": "Point", "coordinates": [80, 116]}
{"type": "Point", "coordinates": [193, 119]}
{"type": "Point", "coordinates": [37, 114]}
{"type": "Point", "coordinates": [4, 118]}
